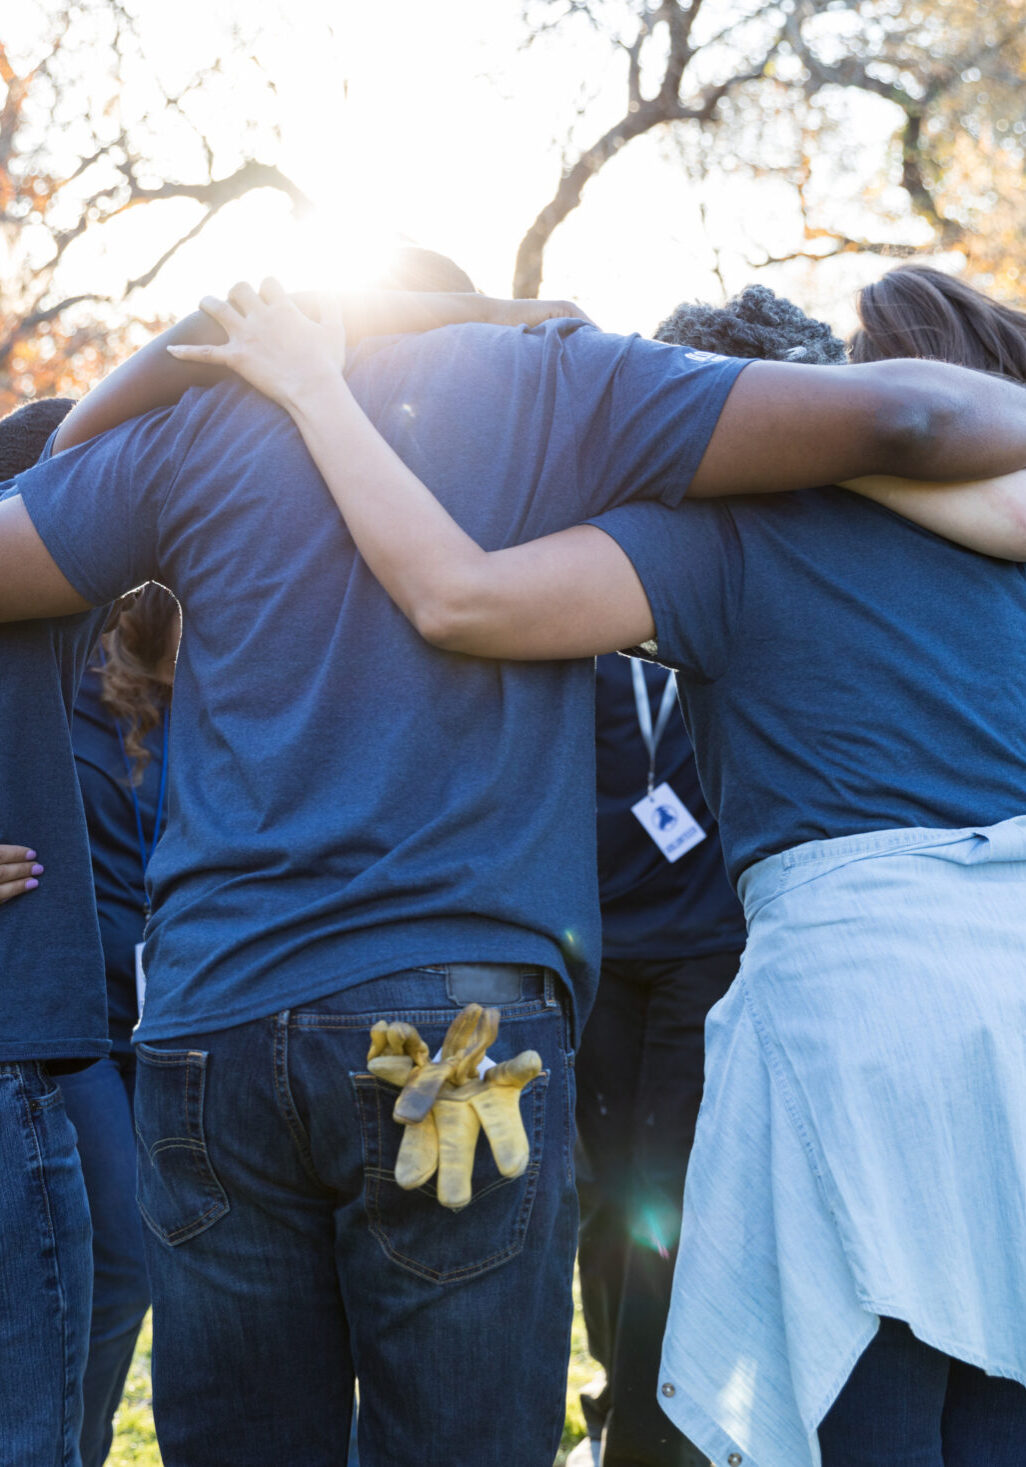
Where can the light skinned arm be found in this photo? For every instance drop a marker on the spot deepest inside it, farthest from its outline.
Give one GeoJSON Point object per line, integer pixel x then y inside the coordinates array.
{"type": "Point", "coordinates": [570, 594]}
{"type": "Point", "coordinates": [19, 872]}
{"type": "Point", "coordinates": [987, 515]}
{"type": "Point", "coordinates": [151, 378]}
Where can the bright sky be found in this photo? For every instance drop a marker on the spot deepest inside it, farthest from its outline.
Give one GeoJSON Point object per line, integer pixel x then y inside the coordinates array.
{"type": "Point", "coordinates": [428, 121]}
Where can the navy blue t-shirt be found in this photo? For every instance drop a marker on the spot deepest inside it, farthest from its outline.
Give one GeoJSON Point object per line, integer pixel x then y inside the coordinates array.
{"type": "Point", "coordinates": [841, 669]}
{"type": "Point", "coordinates": [103, 775]}
{"type": "Point", "coordinates": [346, 801]}
{"type": "Point", "coordinates": [651, 907]}
{"type": "Point", "coordinates": [52, 1001]}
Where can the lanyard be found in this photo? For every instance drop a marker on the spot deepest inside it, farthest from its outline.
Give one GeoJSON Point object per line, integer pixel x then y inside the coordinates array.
{"type": "Point", "coordinates": [652, 736]}
{"type": "Point", "coordinates": [144, 853]}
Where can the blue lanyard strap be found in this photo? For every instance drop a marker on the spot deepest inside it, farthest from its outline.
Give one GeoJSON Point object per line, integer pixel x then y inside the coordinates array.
{"type": "Point", "coordinates": [145, 855]}
{"type": "Point", "coordinates": [652, 736]}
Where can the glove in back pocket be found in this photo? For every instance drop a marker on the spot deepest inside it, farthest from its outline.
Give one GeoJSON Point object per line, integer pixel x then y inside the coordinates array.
{"type": "Point", "coordinates": [178, 1192]}
{"type": "Point", "coordinates": [413, 1228]}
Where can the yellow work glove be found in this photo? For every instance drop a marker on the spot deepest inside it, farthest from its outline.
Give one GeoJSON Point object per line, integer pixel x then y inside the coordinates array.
{"type": "Point", "coordinates": [445, 1139]}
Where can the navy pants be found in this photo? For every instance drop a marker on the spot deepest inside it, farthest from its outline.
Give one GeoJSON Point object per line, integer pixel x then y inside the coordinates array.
{"type": "Point", "coordinates": [639, 1078]}
{"type": "Point", "coordinates": [99, 1103]}
{"type": "Point", "coordinates": [285, 1261]}
{"type": "Point", "coordinates": [907, 1405]}
{"type": "Point", "coordinates": [45, 1273]}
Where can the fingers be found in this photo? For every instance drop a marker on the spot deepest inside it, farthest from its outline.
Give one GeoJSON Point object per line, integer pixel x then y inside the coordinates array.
{"type": "Point", "coordinates": [243, 297]}
{"type": "Point", "coordinates": [485, 1030]}
{"type": "Point", "coordinates": [460, 1031]}
{"type": "Point", "coordinates": [417, 1160]}
{"type": "Point", "coordinates": [394, 1069]}
{"type": "Point", "coordinates": [396, 1037]}
{"type": "Point", "coordinates": [498, 1109]}
{"type": "Point", "coordinates": [272, 292]}
{"type": "Point", "coordinates": [458, 1127]}
{"type": "Point", "coordinates": [516, 1072]}
{"type": "Point", "coordinates": [19, 871]}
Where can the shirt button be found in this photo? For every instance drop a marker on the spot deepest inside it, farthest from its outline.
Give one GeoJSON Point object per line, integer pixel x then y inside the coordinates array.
{"type": "Point", "coordinates": [668, 1390]}
{"type": "Point", "coordinates": [734, 1460]}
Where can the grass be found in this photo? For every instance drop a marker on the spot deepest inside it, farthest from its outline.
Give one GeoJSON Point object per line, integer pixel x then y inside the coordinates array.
{"type": "Point", "coordinates": [135, 1443]}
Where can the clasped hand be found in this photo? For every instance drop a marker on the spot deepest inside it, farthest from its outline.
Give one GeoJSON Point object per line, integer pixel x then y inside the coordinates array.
{"type": "Point", "coordinates": [443, 1104]}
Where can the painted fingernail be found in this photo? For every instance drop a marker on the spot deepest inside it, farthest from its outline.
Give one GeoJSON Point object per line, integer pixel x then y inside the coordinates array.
{"type": "Point", "coordinates": [31, 884]}
{"type": "Point", "coordinates": [38, 870]}
{"type": "Point", "coordinates": [30, 855]}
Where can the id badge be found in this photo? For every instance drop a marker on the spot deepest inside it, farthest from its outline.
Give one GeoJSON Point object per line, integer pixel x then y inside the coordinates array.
{"type": "Point", "coordinates": [669, 822]}
{"type": "Point", "coordinates": [140, 977]}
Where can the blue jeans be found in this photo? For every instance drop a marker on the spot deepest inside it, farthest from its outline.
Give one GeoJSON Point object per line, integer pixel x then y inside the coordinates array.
{"type": "Point", "coordinates": [285, 1261]}
{"type": "Point", "coordinates": [907, 1405]}
{"type": "Point", "coordinates": [99, 1103]}
{"type": "Point", "coordinates": [45, 1273]}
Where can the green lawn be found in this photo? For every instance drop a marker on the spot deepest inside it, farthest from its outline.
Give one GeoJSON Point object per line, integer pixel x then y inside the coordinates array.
{"type": "Point", "coordinates": [135, 1442]}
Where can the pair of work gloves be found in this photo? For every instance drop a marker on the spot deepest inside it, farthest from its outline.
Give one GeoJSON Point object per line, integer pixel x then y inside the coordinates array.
{"type": "Point", "coordinates": [444, 1103]}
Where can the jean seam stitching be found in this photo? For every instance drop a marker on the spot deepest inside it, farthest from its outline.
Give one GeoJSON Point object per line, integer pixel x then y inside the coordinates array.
{"type": "Point", "coordinates": [62, 1294]}
{"type": "Point", "coordinates": [286, 1100]}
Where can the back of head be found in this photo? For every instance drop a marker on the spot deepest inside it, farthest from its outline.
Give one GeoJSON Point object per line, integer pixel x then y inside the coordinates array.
{"type": "Point", "coordinates": [756, 323]}
{"type": "Point", "coordinates": [916, 311]}
{"type": "Point", "coordinates": [413, 268]}
{"type": "Point", "coordinates": [24, 432]}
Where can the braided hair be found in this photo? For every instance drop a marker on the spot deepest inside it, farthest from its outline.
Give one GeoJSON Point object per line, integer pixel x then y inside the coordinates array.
{"type": "Point", "coordinates": [756, 323]}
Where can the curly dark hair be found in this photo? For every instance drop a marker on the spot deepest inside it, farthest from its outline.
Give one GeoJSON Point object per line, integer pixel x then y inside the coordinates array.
{"type": "Point", "coordinates": [756, 323]}
{"type": "Point", "coordinates": [24, 432]}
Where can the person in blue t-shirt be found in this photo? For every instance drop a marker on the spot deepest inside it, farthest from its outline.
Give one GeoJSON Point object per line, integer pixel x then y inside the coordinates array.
{"type": "Point", "coordinates": [52, 1015]}
{"type": "Point", "coordinates": [854, 685]}
{"type": "Point", "coordinates": [346, 844]}
{"type": "Point", "coordinates": [672, 934]}
{"type": "Point", "coordinates": [120, 736]}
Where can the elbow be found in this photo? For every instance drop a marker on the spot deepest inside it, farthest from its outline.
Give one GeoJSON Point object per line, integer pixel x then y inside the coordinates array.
{"type": "Point", "coordinates": [442, 619]}
{"type": "Point", "coordinates": [917, 416]}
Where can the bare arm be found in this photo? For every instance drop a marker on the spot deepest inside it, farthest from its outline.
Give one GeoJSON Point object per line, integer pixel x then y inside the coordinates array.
{"type": "Point", "coordinates": [30, 583]}
{"type": "Point", "coordinates": [987, 515]}
{"type": "Point", "coordinates": [785, 426]}
{"type": "Point", "coordinates": [152, 379]}
{"type": "Point", "coordinates": [571, 594]}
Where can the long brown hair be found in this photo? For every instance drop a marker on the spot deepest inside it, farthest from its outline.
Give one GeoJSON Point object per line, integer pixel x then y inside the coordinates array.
{"type": "Point", "coordinates": [135, 650]}
{"type": "Point", "coordinates": [916, 311]}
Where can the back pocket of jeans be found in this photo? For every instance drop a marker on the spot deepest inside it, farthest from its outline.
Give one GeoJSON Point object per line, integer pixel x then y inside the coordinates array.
{"type": "Point", "coordinates": [414, 1229]}
{"type": "Point", "coordinates": [179, 1194]}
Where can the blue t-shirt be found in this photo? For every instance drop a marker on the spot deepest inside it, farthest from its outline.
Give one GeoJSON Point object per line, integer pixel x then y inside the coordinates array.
{"type": "Point", "coordinates": [346, 801]}
{"type": "Point", "coordinates": [52, 1001]}
{"type": "Point", "coordinates": [103, 775]}
{"type": "Point", "coordinates": [652, 908]}
{"type": "Point", "coordinates": [841, 669]}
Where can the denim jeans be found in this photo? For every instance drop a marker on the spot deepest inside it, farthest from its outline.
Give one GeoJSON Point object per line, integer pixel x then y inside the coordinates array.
{"type": "Point", "coordinates": [639, 1086]}
{"type": "Point", "coordinates": [99, 1103]}
{"type": "Point", "coordinates": [285, 1261]}
{"type": "Point", "coordinates": [45, 1273]}
{"type": "Point", "coordinates": [907, 1405]}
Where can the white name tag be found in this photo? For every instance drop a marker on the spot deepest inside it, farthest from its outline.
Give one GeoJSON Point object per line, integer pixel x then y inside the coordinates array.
{"type": "Point", "coordinates": [140, 977]}
{"type": "Point", "coordinates": [669, 822]}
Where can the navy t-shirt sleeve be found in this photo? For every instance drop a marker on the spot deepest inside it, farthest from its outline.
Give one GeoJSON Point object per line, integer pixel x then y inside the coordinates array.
{"type": "Point", "coordinates": [97, 507]}
{"type": "Point", "coordinates": [691, 564]}
{"type": "Point", "coordinates": [647, 434]}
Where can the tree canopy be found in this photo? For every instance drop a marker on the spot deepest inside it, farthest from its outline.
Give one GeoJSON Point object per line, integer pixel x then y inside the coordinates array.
{"type": "Point", "coordinates": [92, 131]}
{"type": "Point", "coordinates": [777, 87]}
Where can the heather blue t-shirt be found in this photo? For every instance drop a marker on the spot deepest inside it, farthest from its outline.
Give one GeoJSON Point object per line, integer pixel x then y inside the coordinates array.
{"type": "Point", "coordinates": [841, 669]}
{"type": "Point", "coordinates": [346, 801]}
{"type": "Point", "coordinates": [653, 908]}
{"type": "Point", "coordinates": [52, 1001]}
{"type": "Point", "coordinates": [117, 857]}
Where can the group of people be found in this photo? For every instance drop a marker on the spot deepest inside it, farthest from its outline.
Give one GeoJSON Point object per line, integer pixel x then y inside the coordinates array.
{"type": "Point", "coordinates": [395, 561]}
